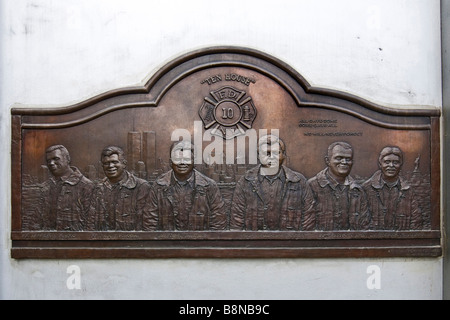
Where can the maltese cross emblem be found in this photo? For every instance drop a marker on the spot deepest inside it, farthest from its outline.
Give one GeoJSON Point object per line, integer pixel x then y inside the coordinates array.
{"type": "Point", "coordinates": [228, 112]}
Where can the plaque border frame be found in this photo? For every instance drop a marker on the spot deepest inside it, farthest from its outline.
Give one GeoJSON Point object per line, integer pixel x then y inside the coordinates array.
{"type": "Point", "coordinates": [226, 244]}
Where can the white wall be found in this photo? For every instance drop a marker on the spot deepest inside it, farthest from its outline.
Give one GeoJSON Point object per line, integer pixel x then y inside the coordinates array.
{"type": "Point", "coordinates": [55, 53]}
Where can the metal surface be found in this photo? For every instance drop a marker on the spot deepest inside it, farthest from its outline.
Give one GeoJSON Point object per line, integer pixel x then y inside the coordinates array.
{"type": "Point", "coordinates": [276, 168]}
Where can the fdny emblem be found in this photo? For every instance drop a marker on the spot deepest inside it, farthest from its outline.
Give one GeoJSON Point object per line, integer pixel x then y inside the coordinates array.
{"type": "Point", "coordinates": [228, 112]}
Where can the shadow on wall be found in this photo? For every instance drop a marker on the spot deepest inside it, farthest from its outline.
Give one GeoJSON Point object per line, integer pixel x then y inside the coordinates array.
{"type": "Point", "coordinates": [3, 134]}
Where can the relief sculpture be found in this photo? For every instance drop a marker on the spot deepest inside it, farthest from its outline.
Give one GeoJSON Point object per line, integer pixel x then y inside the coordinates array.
{"type": "Point", "coordinates": [392, 200]}
{"type": "Point", "coordinates": [269, 196]}
{"type": "Point", "coordinates": [225, 152]}
{"type": "Point", "coordinates": [120, 200]}
{"type": "Point", "coordinates": [340, 202]}
{"type": "Point", "coordinates": [183, 198]}
{"type": "Point", "coordinates": [63, 200]}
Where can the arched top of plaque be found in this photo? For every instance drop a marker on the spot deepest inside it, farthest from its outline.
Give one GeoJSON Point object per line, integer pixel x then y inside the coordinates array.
{"type": "Point", "coordinates": [232, 58]}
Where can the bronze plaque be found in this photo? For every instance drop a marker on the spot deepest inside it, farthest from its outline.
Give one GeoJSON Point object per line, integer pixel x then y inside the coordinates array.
{"type": "Point", "coordinates": [225, 152]}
